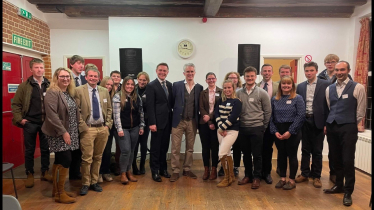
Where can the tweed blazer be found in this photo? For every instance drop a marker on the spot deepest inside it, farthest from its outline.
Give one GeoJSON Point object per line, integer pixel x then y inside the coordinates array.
{"type": "Point", "coordinates": [83, 101]}
{"type": "Point", "coordinates": [275, 88]}
{"type": "Point", "coordinates": [56, 120]}
{"type": "Point", "coordinates": [204, 105]}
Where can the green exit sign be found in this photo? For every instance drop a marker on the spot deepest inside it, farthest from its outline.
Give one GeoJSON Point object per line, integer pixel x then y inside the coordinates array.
{"type": "Point", "coordinates": [24, 13]}
{"type": "Point", "coordinates": [21, 41]}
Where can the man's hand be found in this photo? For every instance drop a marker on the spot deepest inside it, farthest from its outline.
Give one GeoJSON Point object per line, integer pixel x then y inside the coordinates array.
{"type": "Point", "coordinates": [141, 131]}
{"type": "Point", "coordinates": [120, 134]}
{"type": "Point", "coordinates": [212, 127]}
{"type": "Point", "coordinates": [206, 118]}
{"type": "Point", "coordinates": [23, 122]}
{"type": "Point", "coordinates": [66, 137]}
{"type": "Point", "coordinates": [153, 128]}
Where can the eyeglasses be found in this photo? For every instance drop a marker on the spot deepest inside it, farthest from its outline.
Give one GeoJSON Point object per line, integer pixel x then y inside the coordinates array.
{"type": "Point", "coordinates": [64, 77]}
{"type": "Point", "coordinates": [329, 63]}
{"type": "Point", "coordinates": [232, 78]}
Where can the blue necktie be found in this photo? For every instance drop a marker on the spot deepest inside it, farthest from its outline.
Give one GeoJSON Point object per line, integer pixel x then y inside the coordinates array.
{"type": "Point", "coordinates": [95, 106]}
{"type": "Point", "coordinates": [164, 87]}
{"type": "Point", "coordinates": [266, 86]}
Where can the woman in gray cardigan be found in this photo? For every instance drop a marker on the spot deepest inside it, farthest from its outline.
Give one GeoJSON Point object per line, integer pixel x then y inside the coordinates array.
{"type": "Point", "coordinates": [61, 128]}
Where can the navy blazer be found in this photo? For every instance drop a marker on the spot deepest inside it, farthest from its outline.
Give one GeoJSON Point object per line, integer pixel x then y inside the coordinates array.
{"type": "Point", "coordinates": [320, 108]}
{"type": "Point", "coordinates": [178, 95]}
{"type": "Point", "coordinates": [83, 79]}
{"type": "Point", "coordinates": [159, 108]}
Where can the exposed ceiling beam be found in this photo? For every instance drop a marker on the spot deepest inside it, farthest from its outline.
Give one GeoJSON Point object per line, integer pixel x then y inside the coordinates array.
{"type": "Point", "coordinates": [119, 2]}
{"type": "Point", "coordinates": [292, 3]}
{"type": "Point", "coordinates": [211, 7]}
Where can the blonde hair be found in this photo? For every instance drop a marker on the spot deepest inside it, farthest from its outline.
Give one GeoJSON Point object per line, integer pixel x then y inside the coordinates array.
{"type": "Point", "coordinates": [233, 95]}
{"type": "Point", "coordinates": [145, 74]}
{"type": "Point", "coordinates": [91, 67]}
{"type": "Point", "coordinates": [133, 94]}
{"type": "Point", "coordinates": [103, 84]}
{"type": "Point", "coordinates": [54, 83]}
{"type": "Point", "coordinates": [237, 75]}
{"type": "Point", "coordinates": [331, 57]}
{"type": "Point", "coordinates": [286, 79]}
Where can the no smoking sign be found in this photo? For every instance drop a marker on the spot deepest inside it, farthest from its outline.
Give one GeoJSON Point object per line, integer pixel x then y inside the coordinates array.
{"type": "Point", "coordinates": [308, 58]}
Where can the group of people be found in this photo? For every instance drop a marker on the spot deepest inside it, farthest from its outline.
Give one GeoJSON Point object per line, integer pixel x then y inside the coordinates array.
{"type": "Point", "coordinates": [78, 116]}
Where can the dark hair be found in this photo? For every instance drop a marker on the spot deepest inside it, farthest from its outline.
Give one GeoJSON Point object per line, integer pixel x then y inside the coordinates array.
{"type": "Point", "coordinates": [266, 64]}
{"type": "Point", "coordinates": [210, 73]}
{"type": "Point", "coordinates": [348, 66]}
{"type": "Point", "coordinates": [123, 94]}
{"type": "Point", "coordinates": [285, 67]}
{"type": "Point", "coordinates": [311, 64]}
{"type": "Point", "coordinates": [76, 58]}
{"type": "Point", "coordinates": [250, 69]}
{"type": "Point", "coordinates": [162, 64]}
{"type": "Point", "coordinates": [115, 72]}
{"type": "Point", "coordinates": [35, 60]}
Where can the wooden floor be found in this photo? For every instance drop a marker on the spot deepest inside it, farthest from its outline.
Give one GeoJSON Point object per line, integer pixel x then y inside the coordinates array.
{"type": "Point", "coordinates": [187, 193]}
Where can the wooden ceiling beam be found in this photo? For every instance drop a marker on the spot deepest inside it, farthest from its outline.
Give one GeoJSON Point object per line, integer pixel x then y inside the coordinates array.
{"type": "Point", "coordinates": [292, 3]}
{"type": "Point", "coordinates": [119, 2]}
{"type": "Point", "coordinates": [211, 7]}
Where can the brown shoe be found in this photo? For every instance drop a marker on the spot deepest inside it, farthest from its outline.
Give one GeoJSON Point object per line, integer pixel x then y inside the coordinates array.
{"type": "Point", "coordinates": [124, 179]}
{"type": "Point", "coordinates": [206, 173]}
{"type": "Point", "coordinates": [333, 178]}
{"type": "Point", "coordinates": [301, 178]}
{"type": "Point", "coordinates": [61, 196]}
{"type": "Point", "coordinates": [213, 173]}
{"type": "Point", "coordinates": [189, 174]}
{"type": "Point", "coordinates": [131, 177]}
{"type": "Point", "coordinates": [46, 176]}
{"type": "Point", "coordinates": [317, 183]}
{"type": "Point", "coordinates": [289, 186]}
{"type": "Point", "coordinates": [29, 183]}
{"type": "Point", "coordinates": [174, 177]}
{"type": "Point", "coordinates": [245, 180]}
{"type": "Point", "coordinates": [256, 183]}
{"type": "Point", "coordinates": [280, 184]}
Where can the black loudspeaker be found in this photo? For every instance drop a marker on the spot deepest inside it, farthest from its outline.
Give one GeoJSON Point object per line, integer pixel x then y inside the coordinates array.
{"type": "Point", "coordinates": [248, 55]}
{"type": "Point", "coordinates": [130, 61]}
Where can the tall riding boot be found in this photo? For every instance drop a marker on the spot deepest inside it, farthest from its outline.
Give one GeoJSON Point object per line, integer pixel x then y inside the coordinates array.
{"type": "Point", "coordinates": [70, 194]}
{"type": "Point", "coordinates": [206, 173]}
{"type": "Point", "coordinates": [225, 181]}
{"type": "Point", "coordinates": [59, 184]}
{"type": "Point", "coordinates": [230, 164]}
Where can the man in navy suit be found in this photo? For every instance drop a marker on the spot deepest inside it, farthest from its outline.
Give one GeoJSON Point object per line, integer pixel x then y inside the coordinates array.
{"type": "Point", "coordinates": [313, 93]}
{"type": "Point", "coordinates": [159, 109]}
{"type": "Point", "coordinates": [186, 95]}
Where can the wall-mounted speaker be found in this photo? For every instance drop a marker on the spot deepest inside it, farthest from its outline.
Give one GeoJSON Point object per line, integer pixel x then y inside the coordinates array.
{"type": "Point", "coordinates": [248, 55]}
{"type": "Point", "coordinates": [130, 61]}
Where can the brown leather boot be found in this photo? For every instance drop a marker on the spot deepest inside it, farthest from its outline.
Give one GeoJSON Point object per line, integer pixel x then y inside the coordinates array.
{"type": "Point", "coordinates": [124, 179]}
{"type": "Point", "coordinates": [230, 164]}
{"type": "Point", "coordinates": [70, 194]}
{"type": "Point", "coordinates": [206, 173]}
{"type": "Point", "coordinates": [29, 183]}
{"type": "Point", "coordinates": [225, 181]}
{"type": "Point", "coordinates": [59, 182]}
{"type": "Point", "coordinates": [131, 177]}
{"type": "Point", "coordinates": [213, 173]}
{"type": "Point", "coordinates": [45, 176]}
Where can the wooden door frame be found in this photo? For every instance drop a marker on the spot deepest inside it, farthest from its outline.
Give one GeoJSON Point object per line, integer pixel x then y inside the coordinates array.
{"type": "Point", "coordinates": [88, 57]}
{"type": "Point", "coordinates": [300, 65]}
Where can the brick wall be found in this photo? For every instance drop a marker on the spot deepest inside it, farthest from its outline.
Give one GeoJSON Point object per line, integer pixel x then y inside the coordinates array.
{"type": "Point", "coordinates": [34, 29]}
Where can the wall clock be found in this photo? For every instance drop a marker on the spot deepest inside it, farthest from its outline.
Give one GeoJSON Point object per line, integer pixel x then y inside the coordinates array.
{"type": "Point", "coordinates": [185, 48]}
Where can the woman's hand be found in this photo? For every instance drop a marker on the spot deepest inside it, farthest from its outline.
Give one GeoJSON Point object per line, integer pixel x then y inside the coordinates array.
{"type": "Point", "coordinates": [120, 134]}
{"type": "Point", "coordinates": [279, 136]}
{"type": "Point", "coordinates": [286, 135]}
{"type": "Point", "coordinates": [141, 131]}
{"type": "Point", "coordinates": [206, 118]}
{"type": "Point", "coordinates": [212, 127]}
{"type": "Point", "coordinates": [66, 137]}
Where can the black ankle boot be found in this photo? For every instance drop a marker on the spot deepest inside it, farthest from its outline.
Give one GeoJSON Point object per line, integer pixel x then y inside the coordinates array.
{"type": "Point", "coordinates": [221, 172]}
{"type": "Point", "coordinates": [135, 170]}
{"type": "Point", "coordinates": [141, 167]}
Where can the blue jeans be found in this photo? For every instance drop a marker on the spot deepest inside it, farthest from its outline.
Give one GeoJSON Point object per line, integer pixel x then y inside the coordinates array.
{"type": "Point", "coordinates": [127, 145]}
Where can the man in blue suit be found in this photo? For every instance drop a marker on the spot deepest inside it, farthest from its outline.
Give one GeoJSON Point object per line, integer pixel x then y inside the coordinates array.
{"type": "Point", "coordinates": [186, 95]}
{"type": "Point", "coordinates": [313, 93]}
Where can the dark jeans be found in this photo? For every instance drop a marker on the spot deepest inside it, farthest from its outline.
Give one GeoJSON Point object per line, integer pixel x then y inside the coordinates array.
{"type": "Point", "coordinates": [209, 144]}
{"type": "Point", "coordinates": [127, 145]}
{"type": "Point", "coordinates": [236, 153]}
{"type": "Point", "coordinates": [250, 141]}
{"type": "Point", "coordinates": [159, 147]}
{"type": "Point", "coordinates": [312, 144]}
{"type": "Point", "coordinates": [287, 148]}
{"type": "Point", "coordinates": [143, 142]}
{"type": "Point", "coordinates": [343, 139]}
{"type": "Point", "coordinates": [30, 130]}
{"type": "Point", "coordinates": [107, 154]}
{"type": "Point", "coordinates": [267, 152]}
{"type": "Point", "coordinates": [63, 158]}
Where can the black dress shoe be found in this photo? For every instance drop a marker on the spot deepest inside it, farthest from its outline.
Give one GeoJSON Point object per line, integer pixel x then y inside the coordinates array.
{"type": "Point", "coordinates": [221, 172]}
{"type": "Point", "coordinates": [347, 200]}
{"type": "Point", "coordinates": [96, 187]}
{"type": "Point", "coordinates": [165, 174]}
{"type": "Point", "coordinates": [142, 170]}
{"type": "Point", "coordinates": [334, 189]}
{"type": "Point", "coordinates": [236, 171]}
{"type": "Point", "coordinates": [268, 179]}
{"type": "Point", "coordinates": [156, 177]}
{"type": "Point", "coordinates": [136, 172]}
{"type": "Point", "coordinates": [84, 190]}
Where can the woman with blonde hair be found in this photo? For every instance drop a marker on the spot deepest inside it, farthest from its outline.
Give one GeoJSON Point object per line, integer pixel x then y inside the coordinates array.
{"type": "Point", "coordinates": [287, 118]}
{"type": "Point", "coordinates": [227, 114]}
{"type": "Point", "coordinates": [61, 128]}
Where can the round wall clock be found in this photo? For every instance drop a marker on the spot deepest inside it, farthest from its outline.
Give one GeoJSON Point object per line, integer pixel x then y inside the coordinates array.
{"type": "Point", "coordinates": [185, 48]}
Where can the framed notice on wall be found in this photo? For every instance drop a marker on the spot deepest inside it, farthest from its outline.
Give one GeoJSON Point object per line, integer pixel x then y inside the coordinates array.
{"type": "Point", "coordinates": [248, 55]}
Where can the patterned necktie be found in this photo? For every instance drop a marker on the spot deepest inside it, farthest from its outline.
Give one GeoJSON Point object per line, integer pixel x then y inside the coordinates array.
{"type": "Point", "coordinates": [164, 87]}
{"type": "Point", "coordinates": [95, 106]}
{"type": "Point", "coordinates": [266, 86]}
{"type": "Point", "coordinates": [76, 82]}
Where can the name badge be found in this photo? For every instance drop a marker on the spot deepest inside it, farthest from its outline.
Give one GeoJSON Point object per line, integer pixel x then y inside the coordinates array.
{"type": "Point", "coordinates": [105, 100]}
{"type": "Point", "coordinates": [44, 93]}
{"type": "Point", "coordinates": [228, 104]}
{"type": "Point", "coordinates": [288, 102]}
{"type": "Point", "coordinates": [144, 96]}
{"type": "Point", "coordinates": [217, 94]}
{"type": "Point", "coordinates": [345, 96]}
{"type": "Point", "coordinates": [251, 99]}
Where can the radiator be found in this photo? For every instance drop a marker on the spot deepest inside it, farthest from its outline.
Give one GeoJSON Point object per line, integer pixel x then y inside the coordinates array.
{"type": "Point", "coordinates": [363, 152]}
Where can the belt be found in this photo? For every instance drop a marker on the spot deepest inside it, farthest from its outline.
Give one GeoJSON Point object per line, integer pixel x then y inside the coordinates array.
{"type": "Point", "coordinates": [95, 125]}
{"type": "Point", "coordinates": [309, 115]}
